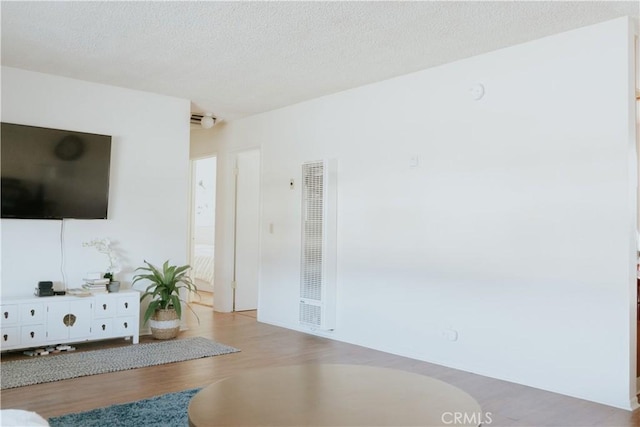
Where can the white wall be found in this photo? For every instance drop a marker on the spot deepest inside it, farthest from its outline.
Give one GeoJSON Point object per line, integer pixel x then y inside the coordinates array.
{"type": "Point", "coordinates": [517, 228]}
{"type": "Point", "coordinates": [148, 204]}
{"type": "Point", "coordinates": [201, 143]}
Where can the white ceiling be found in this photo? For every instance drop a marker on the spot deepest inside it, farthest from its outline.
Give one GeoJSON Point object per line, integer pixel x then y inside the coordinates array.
{"type": "Point", "coordinates": [236, 59]}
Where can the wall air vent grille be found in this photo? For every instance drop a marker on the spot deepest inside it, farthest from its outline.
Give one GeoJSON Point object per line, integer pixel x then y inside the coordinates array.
{"type": "Point", "coordinates": [197, 117]}
{"type": "Point", "coordinates": [317, 278]}
{"type": "Point", "coordinates": [312, 215]}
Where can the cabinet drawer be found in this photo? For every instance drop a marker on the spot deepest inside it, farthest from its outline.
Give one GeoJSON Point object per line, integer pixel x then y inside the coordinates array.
{"type": "Point", "coordinates": [32, 335]}
{"type": "Point", "coordinates": [105, 306]}
{"type": "Point", "coordinates": [9, 337]}
{"type": "Point", "coordinates": [125, 325]}
{"type": "Point", "coordinates": [9, 314]}
{"type": "Point", "coordinates": [31, 313]}
{"type": "Point", "coordinates": [128, 305]}
{"type": "Point", "coordinates": [102, 328]}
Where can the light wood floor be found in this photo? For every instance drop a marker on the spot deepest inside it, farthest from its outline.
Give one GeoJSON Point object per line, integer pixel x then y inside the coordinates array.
{"type": "Point", "coordinates": [264, 345]}
{"type": "Point", "coordinates": [203, 298]}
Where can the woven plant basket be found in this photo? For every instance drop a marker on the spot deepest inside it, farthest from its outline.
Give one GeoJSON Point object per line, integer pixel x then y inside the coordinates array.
{"type": "Point", "coordinates": [164, 324]}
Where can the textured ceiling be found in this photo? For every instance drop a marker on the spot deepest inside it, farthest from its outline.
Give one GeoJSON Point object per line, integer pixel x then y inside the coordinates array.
{"type": "Point", "coordinates": [235, 59]}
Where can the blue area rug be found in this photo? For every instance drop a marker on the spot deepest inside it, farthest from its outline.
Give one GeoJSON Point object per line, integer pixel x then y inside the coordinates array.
{"type": "Point", "coordinates": [168, 410]}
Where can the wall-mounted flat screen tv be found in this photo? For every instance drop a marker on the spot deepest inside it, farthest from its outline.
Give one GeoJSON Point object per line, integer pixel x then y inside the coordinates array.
{"type": "Point", "coordinates": [53, 173]}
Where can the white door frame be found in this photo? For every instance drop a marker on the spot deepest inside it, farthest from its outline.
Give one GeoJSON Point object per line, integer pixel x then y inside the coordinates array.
{"type": "Point", "coordinates": [255, 240]}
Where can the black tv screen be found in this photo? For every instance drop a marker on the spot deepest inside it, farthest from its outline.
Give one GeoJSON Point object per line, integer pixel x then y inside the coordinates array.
{"type": "Point", "coordinates": [53, 173]}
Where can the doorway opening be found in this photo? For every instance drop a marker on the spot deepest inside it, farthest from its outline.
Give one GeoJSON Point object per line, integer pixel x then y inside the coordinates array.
{"type": "Point", "coordinates": [203, 211]}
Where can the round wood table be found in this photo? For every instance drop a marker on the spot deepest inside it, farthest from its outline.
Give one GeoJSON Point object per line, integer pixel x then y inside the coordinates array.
{"type": "Point", "coordinates": [332, 395]}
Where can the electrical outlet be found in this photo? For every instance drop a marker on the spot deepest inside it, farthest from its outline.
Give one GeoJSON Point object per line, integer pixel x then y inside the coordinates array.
{"type": "Point", "coordinates": [450, 334]}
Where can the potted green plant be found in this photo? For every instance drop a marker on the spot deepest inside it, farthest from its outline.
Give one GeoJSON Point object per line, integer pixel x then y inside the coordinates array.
{"type": "Point", "coordinates": [165, 308]}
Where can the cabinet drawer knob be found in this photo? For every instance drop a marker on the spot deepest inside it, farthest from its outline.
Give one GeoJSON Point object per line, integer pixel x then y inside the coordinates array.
{"type": "Point", "coordinates": [104, 306]}
{"type": "Point", "coordinates": [126, 305]}
{"type": "Point", "coordinates": [33, 312]}
{"type": "Point", "coordinates": [104, 327]}
{"type": "Point", "coordinates": [33, 334]}
{"type": "Point", "coordinates": [6, 314]}
{"type": "Point", "coordinates": [5, 337]}
{"type": "Point", "coordinates": [126, 325]}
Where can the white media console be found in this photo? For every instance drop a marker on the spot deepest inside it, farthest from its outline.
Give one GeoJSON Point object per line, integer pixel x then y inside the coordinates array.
{"type": "Point", "coordinates": [43, 321]}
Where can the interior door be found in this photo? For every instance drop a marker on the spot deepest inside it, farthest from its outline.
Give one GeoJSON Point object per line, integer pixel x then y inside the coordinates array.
{"type": "Point", "coordinates": [247, 230]}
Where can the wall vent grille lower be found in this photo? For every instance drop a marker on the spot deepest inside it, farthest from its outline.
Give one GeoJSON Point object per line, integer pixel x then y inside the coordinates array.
{"type": "Point", "coordinates": [310, 314]}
